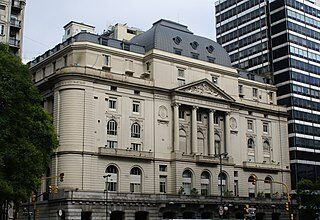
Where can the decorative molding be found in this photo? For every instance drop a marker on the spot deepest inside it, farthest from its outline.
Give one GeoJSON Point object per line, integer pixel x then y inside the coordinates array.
{"type": "Point", "coordinates": [203, 89]}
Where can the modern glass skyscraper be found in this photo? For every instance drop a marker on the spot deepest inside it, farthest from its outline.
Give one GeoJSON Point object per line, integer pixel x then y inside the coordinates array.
{"type": "Point", "coordinates": [281, 37]}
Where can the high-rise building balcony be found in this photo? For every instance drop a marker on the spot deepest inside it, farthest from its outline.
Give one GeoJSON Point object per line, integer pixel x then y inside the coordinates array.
{"type": "Point", "coordinates": [16, 5]}
{"type": "Point", "coordinates": [15, 23]}
{"type": "Point", "coordinates": [14, 42]}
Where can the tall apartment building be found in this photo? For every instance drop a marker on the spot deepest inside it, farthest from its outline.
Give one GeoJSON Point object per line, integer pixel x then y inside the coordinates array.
{"type": "Point", "coordinates": [282, 36]}
{"type": "Point", "coordinates": [159, 122]}
{"type": "Point", "coordinates": [11, 24]}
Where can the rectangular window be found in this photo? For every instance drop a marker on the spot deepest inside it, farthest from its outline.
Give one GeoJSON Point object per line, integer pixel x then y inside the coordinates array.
{"type": "Point", "coordinates": [54, 65]}
{"type": "Point", "coordinates": [43, 72]}
{"type": "Point", "coordinates": [270, 97]}
{"type": "Point", "coordinates": [2, 29]}
{"type": "Point", "coordinates": [216, 120]}
{"type": "Point", "coordinates": [135, 187]}
{"type": "Point", "coordinates": [126, 46]}
{"type": "Point", "coordinates": [199, 117]}
{"type": "Point", "coordinates": [240, 87]}
{"type": "Point", "coordinates": [65, 60]}
{"type": "Point", "coordinates": [265, 127]}
{"type": "Point", "coordinates": [195, 55]}
{"type": "Point", "coordinates": [112, 104]}
{"type": "Point", "coordinates": [2, 7]}
{"type": "Point", "coordinates": [135, 107]}
{"type": "Point", "coordinates": [113, 88]}
{"type": "Point", "coordinates": [163, 184]}
{"type": "Point", "coordinates": [136, 92]}
{"type": "Point", "coordinates": [211, 59]}
{"type": "Point", "coordinates": [181, 82]}
{"type": "Point", "coordinates": [106, 60]}
{"type": "Point", "coordinates": [177, 51]}
{"type": "Point", "coordinates": [136, 147]}
{"type": "Point", "coordinates": [112, 144]}
{"type": "Point", "coordinates": [163, 168]}
{"type": "Point", "coordinates": [181, 114]}
{"type": "Point", "coordinates": [148, 66]}
{"type": "Point", "coordinates": [250, 125]}
{"type": "Point", "coordinates": [181, 73]}
{"type": "Point", "coordinates": [254, 92]}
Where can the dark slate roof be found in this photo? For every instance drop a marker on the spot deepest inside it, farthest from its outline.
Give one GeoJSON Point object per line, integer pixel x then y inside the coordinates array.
{"type": "Point", "coordinates": [163, 34]}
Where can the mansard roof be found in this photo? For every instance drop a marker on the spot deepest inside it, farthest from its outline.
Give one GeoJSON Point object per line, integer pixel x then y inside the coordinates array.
{"type": "Point", "coordinates": [170, 36]}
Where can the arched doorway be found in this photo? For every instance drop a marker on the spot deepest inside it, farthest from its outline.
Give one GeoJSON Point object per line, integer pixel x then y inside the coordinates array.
{"type": "Point", "coordinates": [252, 185]}
{"type": "Point", "coordinates": [141, 215]}
{"type": "Point", "coordinates": [117, 215]}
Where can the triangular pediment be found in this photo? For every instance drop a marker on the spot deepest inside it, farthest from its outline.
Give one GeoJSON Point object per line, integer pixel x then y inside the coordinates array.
{"type": "Point", "coordinates": [206, 88]}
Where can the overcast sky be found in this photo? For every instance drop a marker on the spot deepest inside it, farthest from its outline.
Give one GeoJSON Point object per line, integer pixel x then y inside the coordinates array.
{"type": "Point", "coordinates": [44, 19]}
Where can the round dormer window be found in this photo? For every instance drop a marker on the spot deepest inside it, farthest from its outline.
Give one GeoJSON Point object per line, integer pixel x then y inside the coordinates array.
{"type": "Point", "coordinates": [177, 40]}
{"type": "Point", "coordinates": [194, 45]}
{"type": "Point", "coordinates": [210, 49]}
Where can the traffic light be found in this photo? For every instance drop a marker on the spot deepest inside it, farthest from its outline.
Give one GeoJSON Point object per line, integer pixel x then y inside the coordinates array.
{"type": "Point", "coordinates": [253, 179]}
{"type": "Point", "coordinates": [33, 198]}
{"type": "Point", "coordinates": [286, 206]}
{"type": "Point", "coordinates": [50, 189]}
{"type": "Point", "coordinates": [61, 177]}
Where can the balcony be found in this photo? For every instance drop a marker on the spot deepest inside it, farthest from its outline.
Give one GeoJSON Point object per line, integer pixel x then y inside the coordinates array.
{"type": "Point", "coordinates": [273, 167]}
{"type": "Point", "coordinates": [126, 153]}
{"type": "Point", "coordinates": [15, 23]}
{"type": "Point", "coordinates": [16, 5]}
{"type": "Point", "coordinates": [14, 42]}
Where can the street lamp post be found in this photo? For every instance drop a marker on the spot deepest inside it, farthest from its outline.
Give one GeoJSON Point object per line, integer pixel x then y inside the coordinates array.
{"type": "Point", "coordinates": [107, 182]}
{"type": "Point", "coordinates": [220, 174]}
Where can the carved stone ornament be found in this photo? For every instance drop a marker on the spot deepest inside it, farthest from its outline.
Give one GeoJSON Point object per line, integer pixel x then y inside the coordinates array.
{"type": "Point", "coordinates": [163, 112]}
{"type": "Point", "coordinates": [202, 89]}
{"type": "Point", "coordinates": [233, 123]}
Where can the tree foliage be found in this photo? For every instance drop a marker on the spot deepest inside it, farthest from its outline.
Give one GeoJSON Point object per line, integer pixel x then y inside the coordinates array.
{"type": "Point", "coordinates": [27, 136]}
{"type": "Point", "coordinates": [309, 193]}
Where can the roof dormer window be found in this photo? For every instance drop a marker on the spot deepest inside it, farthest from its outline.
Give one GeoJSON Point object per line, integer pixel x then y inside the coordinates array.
{"type": "Point", "coordinates": [177, 40]}
{"type": "Point", "coordinates": [194, 45]}
{"type": "Point", "coordinates": [210, 49]}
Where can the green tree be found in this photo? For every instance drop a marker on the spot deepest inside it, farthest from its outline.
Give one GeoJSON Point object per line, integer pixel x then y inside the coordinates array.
{"type": "Point", "coordinates": [27, 135]}
{"type": "Point", "coordinates": [309, 198]}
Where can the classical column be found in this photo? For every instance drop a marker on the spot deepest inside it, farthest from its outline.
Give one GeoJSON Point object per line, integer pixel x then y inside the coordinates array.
{"type": "Point", "coordinates": [211, 132]}
{"type": "Point", "coordinates": [194, 130]}
{"type": "Point", "coordinates": [176, 127]}
{"type": "Point", "coordinates": [227, 132]}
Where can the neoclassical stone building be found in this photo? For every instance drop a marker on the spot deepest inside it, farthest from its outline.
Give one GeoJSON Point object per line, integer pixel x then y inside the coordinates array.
{"type": "Point", "coordinates": [165, 123]}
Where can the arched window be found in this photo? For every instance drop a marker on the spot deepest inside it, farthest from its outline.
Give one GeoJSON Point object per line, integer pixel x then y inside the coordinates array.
{"type": "Point", "coordinates": [267, 187]}
{"type": "Point", "coordinates": [250, 143]}
{"type": "Point", "coordinates": [183, 141]}
{"type": "Point", "coordinates": [217, 144]}
{"type": "Point", "coordinates": [251, 186]}
{"type": "Point", "coordinates": [201, 148]}
{"type": "Point", "coordinates": [112, 179]}
{"type": "Point", "coordinates": [135, 180]}
{"type": "Point", "coordinates": [205, 183]}
{"type": "Point", "coordinates": [135, 130]}
{"type": "Point", "coordinates": [222, 183]}
{"type": "Point", "coordinates": [187, 181]}
{"type": "Point", "coordinates": [266, 146]}
{"type": "Point", "coordinates": [112, 127]}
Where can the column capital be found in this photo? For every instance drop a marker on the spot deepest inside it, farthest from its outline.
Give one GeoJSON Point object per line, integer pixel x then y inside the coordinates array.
{"type": "Point", "coordinates": [194, 107]}
{"type": "Point", "coordinates": [212, 110]}
{"type": "Point", "coordinates": [228, 113]}
{"type": "Point", "coordinates": [175, 104]}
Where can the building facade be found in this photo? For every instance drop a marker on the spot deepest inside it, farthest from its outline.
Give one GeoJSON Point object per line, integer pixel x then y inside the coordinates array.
{"type": "Point", "coordinates": [11, 24]}
{"type": "Point", "coordinates": [159, 122]}
{"type": "Point", "coordinates": [291, 29]}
